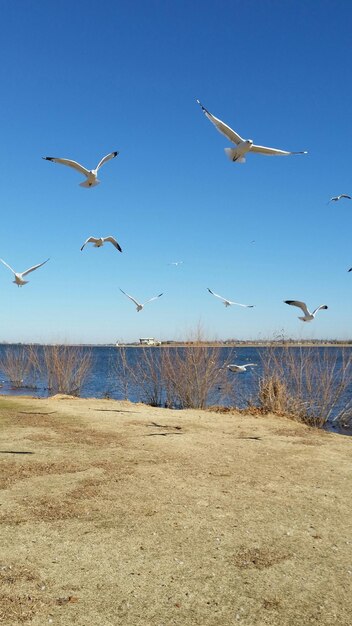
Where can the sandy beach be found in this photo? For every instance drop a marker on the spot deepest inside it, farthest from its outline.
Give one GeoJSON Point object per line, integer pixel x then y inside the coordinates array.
{"type": "Point", "coordinates": [118, 513]}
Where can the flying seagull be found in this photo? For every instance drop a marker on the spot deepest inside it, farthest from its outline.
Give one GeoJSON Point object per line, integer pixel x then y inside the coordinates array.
{"type": "Point", "coordinates": [138, 304]}
{"type": "Point", "coordinates": [92, 175]}
{"type": "Point", "coordinates": [229, 302]}
{"type": "Point", "coordinates": [308, 316]}
{"type": "Point", "coordinates": [243, 145]}
{"type": "Point", "coordinates": [240, 368]}
{"type": "Point", "coordinates": [175, 263]}
{"type": "Point", "coordinates": [19, 275]}
{"type": "Point", "coordinates": [337, 198]}
{"type": "Point", "coordinates": [99, 242]}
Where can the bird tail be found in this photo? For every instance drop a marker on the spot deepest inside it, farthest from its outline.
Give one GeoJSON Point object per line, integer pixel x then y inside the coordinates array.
{"type": "Point", "coordinates": [86, 183]}
{"type": "Point", "coordinates": [232, 154]}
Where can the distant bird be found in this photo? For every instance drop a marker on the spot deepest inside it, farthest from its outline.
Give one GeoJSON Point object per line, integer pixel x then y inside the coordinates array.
{"type": "Point", "coordinates": [138, 304]}
{"type": "Point", "coordinates": [92, 175]}
{"type": "Point", "coordinates": [243, 145]}
{"type": "Point", "coordinates": [337, 198]}
{"type": "Point", "coordinates": [308, 316]}
{"type": "Point", "coordinates": [240, 368]}
{"type": "Point", "coordinates": [19, 275]}
{"type": "Point", "coordinates": [99, 242]}
{"type": "Point", "coordinates": [229, 302]}
{"type": "Point", "coordinates": [176, 263]}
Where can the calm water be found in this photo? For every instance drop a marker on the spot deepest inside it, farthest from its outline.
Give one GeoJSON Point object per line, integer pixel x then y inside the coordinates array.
{"type": "Point", "coordinates": [105, 378]}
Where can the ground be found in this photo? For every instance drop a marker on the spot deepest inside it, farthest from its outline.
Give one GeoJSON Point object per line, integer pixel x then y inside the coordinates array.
{"type": "Point", "coordinates": [115, 513]}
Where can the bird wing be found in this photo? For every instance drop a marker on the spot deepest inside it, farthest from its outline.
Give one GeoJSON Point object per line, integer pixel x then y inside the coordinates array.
{"type": "Point", "coordinates": [35, 267]}
{"type": "Point", "coordinates": [130, 297]}
{"type": "Point", "coordinates": [248, 306]}
{"type": "Point", "coordinates": [69, 163]}
{"type": "Point", "coordinates": [114, 242]}
{"type": "Point", "coordinates": [301, 305]}
{"type": "Point", "coordinates": [224, 129]}
{"type": "Point", "coordinates": [112, 155]}
{"type": "Point", "coordinates": [154, 298]}
{"type": "Point", "coordinates": [322, 306]}
{"type": "Point", "coordinates": [89, 240]}
{"type": "Point", "coordinates": [10, 268]}
{"type": "Point", "coordinates": [344, 195]}
{"type": "Point", "coordinates": [350, 270]}
{"type": "Point", "coordinates": [272, 151]}
{"type": "Point", "coordinates": [217, 295]}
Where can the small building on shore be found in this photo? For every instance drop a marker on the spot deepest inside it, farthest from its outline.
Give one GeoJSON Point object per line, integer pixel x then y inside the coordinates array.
{"type": "Point", "coordinates": [149, 341]}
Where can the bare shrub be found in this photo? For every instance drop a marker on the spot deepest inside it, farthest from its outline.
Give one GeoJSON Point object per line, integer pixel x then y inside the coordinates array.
{"type": "Point", "coordinates": [195, 374]}
{"type": "Point", "coordinates": [176, 377]}
{"type": "Point", "coordinates": [19, 366]}
{"type": "Point", "coordinates": [121, 371]}
{"type": "Point", "coordinates": [66, 368]}
{"type": "Point", "coordinates": [147, 376]}
{"type": "Point", "coordinates": [308, 384]}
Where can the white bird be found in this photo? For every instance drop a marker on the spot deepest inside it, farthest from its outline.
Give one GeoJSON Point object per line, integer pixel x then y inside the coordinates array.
{"type": "Point", "coordinates": [92, 175]}
{"type": "Point", "coordinates": [138, 304]}
{"type": "Point", "coordinates": [229, 302]}
{"type": "Point", "coordinates": [19, 275]}
{"type": "Point", "coordinates": [99, 242]}
{"type": "Point", "coordinates": [308, 316]}
{"type": "Point", "coordinates": [240, 368]}
{"type": "Point", "coordinates": [337, 198]}
{"type": "Point", "coordinates": [243, 145]}
{"type": "Point", "coordinates": [175, 263]}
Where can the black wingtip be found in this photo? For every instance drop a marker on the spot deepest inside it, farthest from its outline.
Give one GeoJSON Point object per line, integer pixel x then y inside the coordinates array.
{"type": "Point", "coordinates": [288, 301]}
{"type": "Point", "coordinates": [48, 158]}
{"type": "Point", "coordinates": [202, 107]}
{"type": "Point", "coordinates": [116, 153]}
{"type": "Point", "coordinates": [350, 270]}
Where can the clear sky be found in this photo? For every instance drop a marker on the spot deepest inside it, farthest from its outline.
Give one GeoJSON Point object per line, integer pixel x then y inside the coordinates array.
{"type": "Point", "coordinates": [81, 79]}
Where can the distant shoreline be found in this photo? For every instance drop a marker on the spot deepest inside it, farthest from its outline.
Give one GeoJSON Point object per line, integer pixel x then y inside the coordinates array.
{"type": "Point", "coordinates": [208, 344]}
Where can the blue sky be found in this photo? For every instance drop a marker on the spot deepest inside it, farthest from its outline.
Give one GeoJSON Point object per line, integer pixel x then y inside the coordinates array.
{"type": "Point", "coordinates": [81, 79]}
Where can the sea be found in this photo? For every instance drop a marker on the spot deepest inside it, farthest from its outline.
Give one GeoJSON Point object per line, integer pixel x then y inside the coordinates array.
{"type": "Point", "coordinates": [106, 380]}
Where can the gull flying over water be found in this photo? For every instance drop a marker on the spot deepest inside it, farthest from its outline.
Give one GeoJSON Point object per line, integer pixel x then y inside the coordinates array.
{"type": "Point", "coordinates": [240, 368]}
{"type": "Point", "coordinates": [243, 146]}
{"type": "Point", "coordinates": [308, 316]}
{"type": "Point", "coordinates": [99, 242]}
{"type": "Point", "coordinates": [229, 302]}
{"type": "Point", "coordinates": [19, 275]}
{"type": "Point", "coordinates": [337, 198]}
{"type": "Point", "coordinates": [92, 175]}
{"type": "Point", "coordinates": [138, 304]}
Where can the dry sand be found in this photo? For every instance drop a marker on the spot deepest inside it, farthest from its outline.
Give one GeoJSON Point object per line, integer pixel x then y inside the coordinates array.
{"type": "Point", "coordinates": [115, 513]}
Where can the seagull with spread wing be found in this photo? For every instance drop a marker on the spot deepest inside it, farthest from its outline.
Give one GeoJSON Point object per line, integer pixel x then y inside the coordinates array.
{"type": "Point", "coordinates": [308, 316]}
{"type": "Point", "coordinates": [138, 304]}
{"type": "Point", "coordinates": [99, 242]}
{"type": "Point", "coordinates": [229, 302]}
{"type": "Point", "coordinates": [337, 198]}
{"type": "Point", "coordinates": [243, 146]}
{"type": "Point", "coordinates": [19, 275]}
{"type": "Point", "coordinates": [92, 175]}
{"type": "Point", "coordinates": [240, 368]}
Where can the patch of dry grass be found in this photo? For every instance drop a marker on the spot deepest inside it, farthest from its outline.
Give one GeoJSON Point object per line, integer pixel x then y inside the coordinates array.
{"type": "Point", "coordinates": [259, 557]}
{"type": "Point", "coordinates": [14, 471]}
{"type": "Point", "coordinates": [229, 523]}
